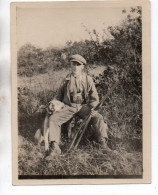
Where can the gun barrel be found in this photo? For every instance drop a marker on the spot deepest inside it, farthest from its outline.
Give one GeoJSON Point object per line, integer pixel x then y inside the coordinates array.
{"type": "Point", "coordinates": [86, 121]}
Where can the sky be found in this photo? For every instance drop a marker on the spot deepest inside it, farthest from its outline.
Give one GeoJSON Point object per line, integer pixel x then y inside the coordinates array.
{"type": "Point", "coordinates": [55, 26]}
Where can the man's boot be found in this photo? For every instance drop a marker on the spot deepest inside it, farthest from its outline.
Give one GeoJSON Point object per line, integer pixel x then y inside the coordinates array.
{"type": "Point", "coordinates": [103, 143]}
{"type": "Point", "coordinates": [53, 151]}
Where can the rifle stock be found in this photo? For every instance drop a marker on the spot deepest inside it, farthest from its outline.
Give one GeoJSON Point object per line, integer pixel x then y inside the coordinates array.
{"type": "Point", "coordinates": [78, 131]}
{"type": "Point", "coordinates": [87, 120]}
{"type": "Point", "coordinates": [102, 101]}
{"type": "Point", "coordinates": [84, 129]}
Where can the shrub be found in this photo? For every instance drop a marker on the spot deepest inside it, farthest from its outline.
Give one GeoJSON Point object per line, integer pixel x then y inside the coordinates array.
{"type": "Point", "coordinates": [122, 51]}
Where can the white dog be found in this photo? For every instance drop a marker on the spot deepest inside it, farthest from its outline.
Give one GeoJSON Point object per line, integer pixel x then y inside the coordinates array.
{"type": "Point", "coordinates": [42, 134]}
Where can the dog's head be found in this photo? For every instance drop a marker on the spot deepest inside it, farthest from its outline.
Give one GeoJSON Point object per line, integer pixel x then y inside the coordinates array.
{"type": "Point", "coordinates": [55, 106]}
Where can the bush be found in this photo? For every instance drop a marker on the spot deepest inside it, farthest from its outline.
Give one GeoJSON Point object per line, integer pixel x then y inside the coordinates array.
{"type": "Point", "coordinates": [123, 51]}
{"type": "Point", "coordinates": [121, 55]}
{"type": "Point", "coordinates": [28, 103]}
{"type": "Point", "coordinates": [123, 108]}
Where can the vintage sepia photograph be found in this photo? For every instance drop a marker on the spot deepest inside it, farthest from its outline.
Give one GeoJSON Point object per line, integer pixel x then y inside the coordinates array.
{"type": "Point", "coordinates": [80, 111]}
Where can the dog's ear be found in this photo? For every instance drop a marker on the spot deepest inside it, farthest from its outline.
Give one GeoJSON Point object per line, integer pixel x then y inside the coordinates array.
{"type": "Point", "coordinates": [49, 112]}
{"type": "Point", "coordinates": [62, 104]}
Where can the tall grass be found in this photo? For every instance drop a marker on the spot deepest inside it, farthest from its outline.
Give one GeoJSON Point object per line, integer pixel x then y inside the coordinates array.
{"type": "Point", "coordinates": [42, 82]}
{"type": "Point", "coordinates": [40, 74]}
{"type": "Point", "coordinates": [88, 159]}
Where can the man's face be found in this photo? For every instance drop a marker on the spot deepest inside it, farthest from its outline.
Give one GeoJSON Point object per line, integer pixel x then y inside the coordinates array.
{"type": "Point", "coordinates": [76, 67]}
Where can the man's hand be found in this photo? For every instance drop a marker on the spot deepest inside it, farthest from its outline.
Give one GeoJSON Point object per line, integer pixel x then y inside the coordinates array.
{"type": "Point", "coordinates": [93, 112]}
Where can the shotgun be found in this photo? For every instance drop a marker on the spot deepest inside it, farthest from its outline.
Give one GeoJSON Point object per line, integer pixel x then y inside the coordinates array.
{"type": "Point", "coordinates": [87, 120]}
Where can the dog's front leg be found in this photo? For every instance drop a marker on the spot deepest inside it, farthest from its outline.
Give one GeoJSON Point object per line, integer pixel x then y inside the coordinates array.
{"type": "Point", "coordinates": [46, 140]}
{"type": "Point", "coordinates": [38, 137]}
{"type": "Point", "coordinates": [46, 133]}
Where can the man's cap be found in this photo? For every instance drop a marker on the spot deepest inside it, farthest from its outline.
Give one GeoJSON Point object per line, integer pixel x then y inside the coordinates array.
{"type": "Point", "coordinates": [78, 58]}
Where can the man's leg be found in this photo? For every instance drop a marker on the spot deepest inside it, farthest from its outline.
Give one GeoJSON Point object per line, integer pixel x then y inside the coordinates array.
{"type": "Point", "coordinates": [97, 121]}
{"type": "Point", "coordinates": [99, 126]}
{"type": "Point", "coordinates": [56, 120]}
{"type": "Point", "coordinates": [101, 129]}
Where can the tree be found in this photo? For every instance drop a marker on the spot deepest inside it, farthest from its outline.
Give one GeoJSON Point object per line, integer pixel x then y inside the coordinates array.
{"type": "Point", "coordinates": [30, 60]}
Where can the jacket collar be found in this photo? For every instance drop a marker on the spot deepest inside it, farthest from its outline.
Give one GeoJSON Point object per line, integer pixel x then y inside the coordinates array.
{"type": "Point", "coordinates": [71, 74]}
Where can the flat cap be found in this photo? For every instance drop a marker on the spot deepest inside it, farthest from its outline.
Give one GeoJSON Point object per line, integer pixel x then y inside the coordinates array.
{"type": "Point", "coordinates": [78, 58]}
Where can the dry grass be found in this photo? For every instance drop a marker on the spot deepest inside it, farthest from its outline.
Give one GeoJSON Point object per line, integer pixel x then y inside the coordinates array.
{"type": "Point", "coordinates": [51, 80]}
{"type": "Point", "coordinates": [88, 159]}
{"type": "Point", "coordinates": [38, 83]}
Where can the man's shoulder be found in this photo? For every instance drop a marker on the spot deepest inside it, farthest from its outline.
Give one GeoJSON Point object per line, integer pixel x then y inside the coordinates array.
{"type": "Point", "coordinates": [89, 78]}
{"type": "Point", "coordinates": [67, 78]}
{"type": "Point", "coordinates": [85, 76]}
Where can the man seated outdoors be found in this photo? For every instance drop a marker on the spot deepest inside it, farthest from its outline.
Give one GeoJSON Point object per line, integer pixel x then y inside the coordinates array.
{"type": "Point", "coordinates": [80, 96]}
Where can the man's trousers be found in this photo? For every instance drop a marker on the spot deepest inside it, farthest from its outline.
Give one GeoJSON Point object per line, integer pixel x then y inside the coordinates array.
{"type": "Point", "coordinates": [57, 119]}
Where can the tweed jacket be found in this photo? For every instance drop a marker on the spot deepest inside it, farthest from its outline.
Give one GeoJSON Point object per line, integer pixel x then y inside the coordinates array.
{"type": "Point", "coordinates": [90, 93]}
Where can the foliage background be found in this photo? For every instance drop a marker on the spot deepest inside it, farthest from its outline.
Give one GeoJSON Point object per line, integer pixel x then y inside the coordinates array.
{"type": "Point", "coordinates": [120, 55]}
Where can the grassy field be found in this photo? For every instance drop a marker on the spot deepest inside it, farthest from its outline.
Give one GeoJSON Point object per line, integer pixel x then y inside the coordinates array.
{"type": "Point", "coordinates": [51, 80]}
{"type": "Point", "coordinates": [88, 159]}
